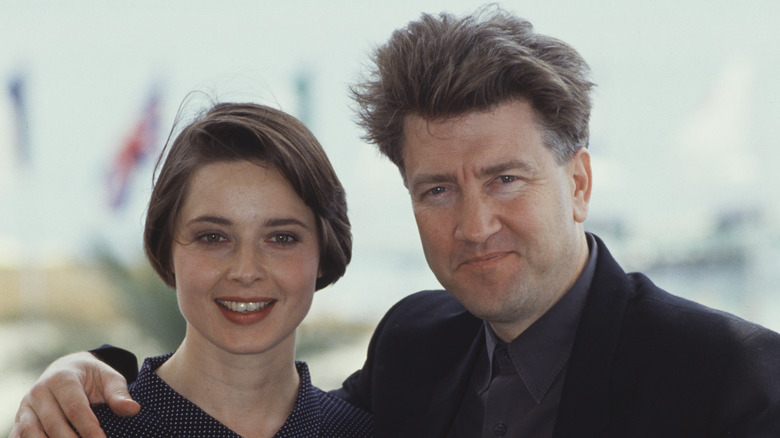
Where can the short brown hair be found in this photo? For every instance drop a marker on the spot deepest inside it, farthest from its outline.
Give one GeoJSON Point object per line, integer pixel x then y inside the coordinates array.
{"type": "Point", "coordinates": [439, 67]}
{"type": "Point", "coordinates": [257, 133]}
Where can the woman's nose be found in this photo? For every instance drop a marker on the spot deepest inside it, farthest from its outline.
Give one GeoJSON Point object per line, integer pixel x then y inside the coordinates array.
{"type": "Point", "coordinates": [247, 266]}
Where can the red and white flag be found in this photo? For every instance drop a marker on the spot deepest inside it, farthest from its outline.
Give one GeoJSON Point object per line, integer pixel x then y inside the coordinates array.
{"type": "Point", "coordinates": [140, 143]}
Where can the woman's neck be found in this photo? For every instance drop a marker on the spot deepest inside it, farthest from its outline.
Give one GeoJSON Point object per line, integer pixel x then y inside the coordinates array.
{"type": "Point", "coordinates": [252, 394]}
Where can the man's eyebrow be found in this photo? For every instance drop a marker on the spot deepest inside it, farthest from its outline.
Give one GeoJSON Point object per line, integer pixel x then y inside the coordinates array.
{"type": "Point", "coordinates": [431, 179]}
{"type": "Point", "coordinates": [494, 169]}
{"type": "Point", "coordinates": [499, 168]}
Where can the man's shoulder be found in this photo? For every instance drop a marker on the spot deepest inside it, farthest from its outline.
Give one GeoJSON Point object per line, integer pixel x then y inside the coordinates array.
{"type": "Point", "coordinates": [646, 309]}
{"type": "Point", "coordinates": [672, 348]}
{"type": "Point", "coordinates": [659, 309]}
{"type": "Point", "coordinates": [435, 300]}
{"type": "Point", "coordinates": [675, 336]}
{"type": "Point", "coordinates": [427, 310]}
{"type": "Point", "coordinates": [425, 323]}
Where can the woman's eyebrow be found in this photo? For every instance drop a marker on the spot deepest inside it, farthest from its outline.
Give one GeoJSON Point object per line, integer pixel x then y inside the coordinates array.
{"type": "Point", "coordinates": [272, 222]}
{"type": "Point", "coordinates": [280, 222]}
{"type": "Point", "coordinates": [217, 220]}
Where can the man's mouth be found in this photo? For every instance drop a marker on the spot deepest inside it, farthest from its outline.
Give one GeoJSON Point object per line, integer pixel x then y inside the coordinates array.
{"type": "Point", "coordinates": [484, 258]}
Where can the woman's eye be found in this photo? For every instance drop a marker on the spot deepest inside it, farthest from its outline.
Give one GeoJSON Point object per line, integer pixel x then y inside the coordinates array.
{"type": "Point", "coordinates": [283, 238]}
{"type": "Point", "coordinates": [211, 238]}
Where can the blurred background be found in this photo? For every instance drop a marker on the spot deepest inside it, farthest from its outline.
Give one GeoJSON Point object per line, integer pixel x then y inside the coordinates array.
{"type": "Point", "coordinates": [685, 144]}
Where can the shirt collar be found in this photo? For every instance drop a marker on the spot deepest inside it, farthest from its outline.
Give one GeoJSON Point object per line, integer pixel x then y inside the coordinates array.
{"type": "Point", "coordinates": [550, 338]}
{"type": "Point", "coordinates": [306, 414]}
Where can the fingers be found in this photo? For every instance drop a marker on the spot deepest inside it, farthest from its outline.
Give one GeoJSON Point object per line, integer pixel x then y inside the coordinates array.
{"type": "Point", "coordinates": [124, 407]}
{"type": "Point", "coordinates": [72, 405]}
{"type": "Point", "coordinates": [62, 403]}
{"type": "Point", "coordinates": [26, 424]}
{"type": "Point", "coordinates": [94, 383]}
{"type": "Point", "coordinates": [63, 396]}
{"type": "Point", "coordinates": [39, 415]}
{"type": "Point", "coordinates": [116, 395]}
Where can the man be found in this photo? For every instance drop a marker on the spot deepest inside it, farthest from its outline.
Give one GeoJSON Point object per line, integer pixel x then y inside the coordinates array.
{"type": "Point", "coordinates": [539, 333]}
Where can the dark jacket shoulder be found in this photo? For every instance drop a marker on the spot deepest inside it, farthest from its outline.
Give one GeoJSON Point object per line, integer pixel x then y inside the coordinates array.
{"type": "Point", "coordinates": [419, 338]}
{"type": "Point", "coordinates": [706, 362]}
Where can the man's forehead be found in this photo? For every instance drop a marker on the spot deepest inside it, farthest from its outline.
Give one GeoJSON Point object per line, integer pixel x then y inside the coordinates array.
{"type": "Point", "coordinates": [441, 126]}
{"type": "Point", "coordinates": [517, 116]}
{"type": "Point", "coordinates": [479, 142]}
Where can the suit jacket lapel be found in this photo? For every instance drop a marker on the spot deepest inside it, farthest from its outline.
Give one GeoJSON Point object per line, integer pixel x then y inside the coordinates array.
{"type": "Point", "coordinates": [447, 395]}
{"type": "Point", "coordinates": [584, 408]}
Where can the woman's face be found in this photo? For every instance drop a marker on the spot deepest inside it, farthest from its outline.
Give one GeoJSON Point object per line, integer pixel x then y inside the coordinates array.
{"type": "Point", "coordinates": [245, 257]}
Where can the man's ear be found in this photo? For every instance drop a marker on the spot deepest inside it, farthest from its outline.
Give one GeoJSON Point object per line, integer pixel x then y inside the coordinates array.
{"type": "Point", "coordinates": [582, 183]}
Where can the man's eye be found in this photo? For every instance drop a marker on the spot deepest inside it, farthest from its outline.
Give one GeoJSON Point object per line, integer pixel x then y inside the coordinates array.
{"type": "Point", "coordinates": [436, 190]}
{"type": "Point", "coordinates": [507, 178]}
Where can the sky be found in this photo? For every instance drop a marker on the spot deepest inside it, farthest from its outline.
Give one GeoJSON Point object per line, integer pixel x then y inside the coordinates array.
{"type": "Point", "coordinates": [684, 126]}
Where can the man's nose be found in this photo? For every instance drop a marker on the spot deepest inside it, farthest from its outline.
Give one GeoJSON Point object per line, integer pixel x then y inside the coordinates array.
{"type": "Point", "coordinates": [477, 218]}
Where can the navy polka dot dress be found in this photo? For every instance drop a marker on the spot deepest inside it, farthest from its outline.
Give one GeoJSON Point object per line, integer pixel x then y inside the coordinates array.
{"type": "Point", "coordinates": [165, 413]}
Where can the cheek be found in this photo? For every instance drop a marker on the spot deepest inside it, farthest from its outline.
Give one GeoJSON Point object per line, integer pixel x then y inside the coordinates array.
{"type": "Point", "coordinates": [191, 270]}
{"type": "Point", "coordinates": [434, 229]}
{"type": "Point", "coordinates": [298, 281]}
{"type": "Point", "coordinates": [296, 273]}
{"type": "Point", "coordinates": [424, 221]}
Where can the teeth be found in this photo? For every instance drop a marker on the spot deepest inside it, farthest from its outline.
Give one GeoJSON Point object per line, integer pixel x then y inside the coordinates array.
{"type": "Point", "coordinates": [243, 306]}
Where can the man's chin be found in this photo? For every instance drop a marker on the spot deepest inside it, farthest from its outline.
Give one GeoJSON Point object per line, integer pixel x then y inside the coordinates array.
{"type": "Point", "coordinates": [479, 304]}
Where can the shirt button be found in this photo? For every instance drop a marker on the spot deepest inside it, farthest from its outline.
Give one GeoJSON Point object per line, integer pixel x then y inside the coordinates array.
{"type": "Point", "coordinates": [500, 429]}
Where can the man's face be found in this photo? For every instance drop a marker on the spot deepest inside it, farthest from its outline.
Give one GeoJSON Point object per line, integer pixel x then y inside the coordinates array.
{"type": "Point", "coordinates": [500, 220]}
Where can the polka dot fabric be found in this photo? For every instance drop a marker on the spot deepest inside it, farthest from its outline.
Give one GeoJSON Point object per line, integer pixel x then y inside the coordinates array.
{"type": "Point", "coordinates": [165, 413]}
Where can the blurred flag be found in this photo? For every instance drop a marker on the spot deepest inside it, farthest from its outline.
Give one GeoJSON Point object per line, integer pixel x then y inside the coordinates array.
{"type": "Point", "coordinates": [141, 142]}
{"type": "Point", "coordinates": [17, 92]}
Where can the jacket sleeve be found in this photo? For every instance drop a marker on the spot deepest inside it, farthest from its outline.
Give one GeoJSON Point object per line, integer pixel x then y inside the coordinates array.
{"type": "Point", "coordinates": [356, 389]}
{"type": "Point", "coordinates": [750, 402]}
{"type": "Point", "coordinates": [121, 360]}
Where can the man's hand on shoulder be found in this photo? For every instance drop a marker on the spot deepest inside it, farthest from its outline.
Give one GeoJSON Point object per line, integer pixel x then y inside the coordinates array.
{"type": "Point", "coordinates": [64, 393]}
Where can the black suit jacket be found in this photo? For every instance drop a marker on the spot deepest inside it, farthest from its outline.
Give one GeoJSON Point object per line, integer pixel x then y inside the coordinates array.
{"type": "Point", "coordinates": [644, 364]}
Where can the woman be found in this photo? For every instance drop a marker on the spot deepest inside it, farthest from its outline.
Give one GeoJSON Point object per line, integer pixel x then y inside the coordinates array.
{"type": "Point", "coordinates": [246, 220]}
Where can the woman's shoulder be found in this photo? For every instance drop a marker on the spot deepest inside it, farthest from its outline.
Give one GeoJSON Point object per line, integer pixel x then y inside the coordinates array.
{"type": "Point", "coordinates": [145, 423]}
{"type": "Point", "coordinates": [341, 419]}
{"type": "Point", "coordinates": [164, 412]}
{"type": "Point", "coordinates": [336, 417]}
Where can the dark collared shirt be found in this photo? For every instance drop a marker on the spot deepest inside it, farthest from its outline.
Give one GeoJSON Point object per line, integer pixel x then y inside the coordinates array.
{"type": "Point", "coordinates": [515, 389]}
